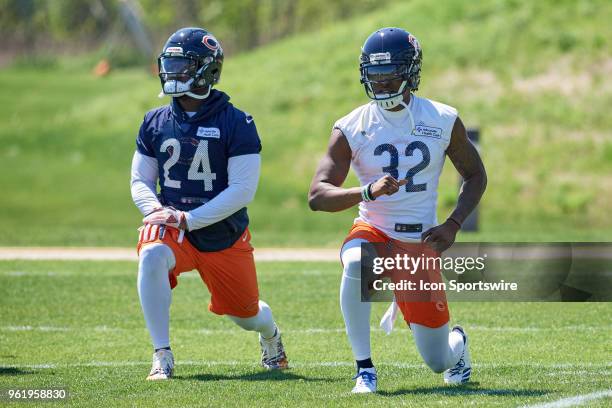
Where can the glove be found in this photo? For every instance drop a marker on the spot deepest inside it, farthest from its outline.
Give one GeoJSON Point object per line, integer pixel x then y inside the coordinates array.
{"type": "Point", "coordinates": [169, 216]}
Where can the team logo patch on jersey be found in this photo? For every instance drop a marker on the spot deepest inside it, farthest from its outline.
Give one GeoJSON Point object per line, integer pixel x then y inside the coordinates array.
{"type": "Point", "coordinates": [212, 132]}
{"type": "Point", "coordinates": [427, 131]}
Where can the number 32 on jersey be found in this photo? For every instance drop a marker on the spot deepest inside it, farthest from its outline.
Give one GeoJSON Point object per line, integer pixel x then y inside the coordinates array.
{"type": "Point", "coordinates": [394, 163]}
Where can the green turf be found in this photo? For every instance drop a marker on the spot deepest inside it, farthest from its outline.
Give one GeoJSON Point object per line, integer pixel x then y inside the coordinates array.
{"type": "Point", "coordinates": [532, 75]}
{"type": "Point", "coordinates": [83, 320]}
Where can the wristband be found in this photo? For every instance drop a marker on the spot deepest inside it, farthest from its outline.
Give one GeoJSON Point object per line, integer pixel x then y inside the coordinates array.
{"type": "Point", "coordinates": [364, 194]}
{"type": "Point", "coordinates": [455, 221]}
{"type": "Point", "coordinates": [372, 198]}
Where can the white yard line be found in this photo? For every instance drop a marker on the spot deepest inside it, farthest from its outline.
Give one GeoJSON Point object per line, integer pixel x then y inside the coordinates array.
{"type": "Point", "coordinates": [212, 363]}
{"type": "Point", "coordinates": [573, 401]}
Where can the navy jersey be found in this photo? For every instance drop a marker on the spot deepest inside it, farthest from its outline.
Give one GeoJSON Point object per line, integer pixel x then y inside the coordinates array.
{"type": "Point", "coordinates": [192, 155]}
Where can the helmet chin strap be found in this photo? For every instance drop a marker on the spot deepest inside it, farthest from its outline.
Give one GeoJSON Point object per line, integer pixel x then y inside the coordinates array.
{"type": "Point", "coordinates": [177, 89]}
{"type": "Point", "coordinates": [390, 102]}
{"type": "Point", "coordinates": [196, 96]}
{"type": "Point", "coordinates": [410, 117]}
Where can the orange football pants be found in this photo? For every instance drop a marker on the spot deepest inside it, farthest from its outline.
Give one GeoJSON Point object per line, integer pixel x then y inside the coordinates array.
{"type": "Point", "coordinates": [429, 314]}
{"type": "Point", "coordinates": [228, 274]}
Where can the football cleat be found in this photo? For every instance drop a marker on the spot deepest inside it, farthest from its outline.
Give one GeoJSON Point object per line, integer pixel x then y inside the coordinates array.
{"type": "Point", "coordinates": [273, 355]}
{"type": "Point", "coordinates": [163, 365]}
{"type": "Point", "coordinates": [461, 372]}
{"type": "Point", "coordinates": [366, 381]}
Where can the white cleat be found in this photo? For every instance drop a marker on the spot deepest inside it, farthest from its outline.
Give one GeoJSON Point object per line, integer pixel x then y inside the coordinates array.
{"type": "Point", "coordinates": [163, 365]}
{"type": "Point", "coordinates": [273, 355]}
{"type": "Point", "coordinates": [461, 372]}
{"type": "Point", "coordinates": [366, 381]}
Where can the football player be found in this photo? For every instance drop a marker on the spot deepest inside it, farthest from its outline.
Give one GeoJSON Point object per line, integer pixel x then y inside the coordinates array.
{"type": "Point", "coordinates": [205, 154]}
{"type": "Point", "coordinates": [396, 145]}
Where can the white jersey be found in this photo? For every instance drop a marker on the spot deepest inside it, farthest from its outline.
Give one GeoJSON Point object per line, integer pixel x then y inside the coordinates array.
{"type": "Point", "coordinates": [414, 150]}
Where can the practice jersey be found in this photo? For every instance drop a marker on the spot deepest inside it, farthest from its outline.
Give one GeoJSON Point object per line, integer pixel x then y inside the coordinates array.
{"type": "Point", "coordinates": [192, 155]}
{"type": "Point", "coordinates": [414, 151]}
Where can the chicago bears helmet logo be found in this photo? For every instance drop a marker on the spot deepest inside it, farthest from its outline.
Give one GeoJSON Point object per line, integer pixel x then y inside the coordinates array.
{"type": "Point", "coordinates": [210, 42]}
{"type": "Point", "coordinates": [415, 43]}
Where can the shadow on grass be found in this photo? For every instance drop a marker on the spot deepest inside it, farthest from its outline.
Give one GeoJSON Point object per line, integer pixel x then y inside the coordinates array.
{"type": "Point", "coordinates": [8, 371]}
{"type": "Point", "coordinates": [285, 375]}
{"type": "Point", "coordinates": [467, 389]}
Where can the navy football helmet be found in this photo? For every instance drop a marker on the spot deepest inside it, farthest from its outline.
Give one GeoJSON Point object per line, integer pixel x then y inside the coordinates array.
{"type": "Point", "coordinates": [191, 60]}
{"type": "Point", "coordinates": [390, 54]}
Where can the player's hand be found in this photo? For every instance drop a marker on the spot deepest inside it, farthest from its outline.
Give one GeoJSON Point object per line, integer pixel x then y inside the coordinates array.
{"type": "Point", "coordinates": [441, 237]}
{"type": "Point", "coordinates": [166, 216]}
{"type": "Point", "coordinates": [386, 185]}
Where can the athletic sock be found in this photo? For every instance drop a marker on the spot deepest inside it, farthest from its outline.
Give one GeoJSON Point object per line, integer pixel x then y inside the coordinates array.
{"type": "Point", "coordinates": [367, 363]}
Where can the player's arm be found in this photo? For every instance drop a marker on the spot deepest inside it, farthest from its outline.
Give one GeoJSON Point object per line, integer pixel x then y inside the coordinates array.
{"type": "Point", "coordinates": [243, 177]}
{"type": "Point", "coordinates": [468, 163]}
{"type": "Point", "coordinates": [143, 184]}
{"type": "Point", "coordinates": [326, 193]}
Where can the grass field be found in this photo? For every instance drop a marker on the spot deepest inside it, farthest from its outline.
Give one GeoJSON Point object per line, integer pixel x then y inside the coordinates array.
{"type": "Point", "coordinates": [540, 94]}
{"type": "Point", "coordinates": [78, 324]}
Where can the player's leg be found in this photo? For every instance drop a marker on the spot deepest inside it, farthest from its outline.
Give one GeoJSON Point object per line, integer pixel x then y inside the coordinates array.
{"type": "Point", "coordinates": [156, 260]}
{"type": "Point", "coordinates": [441, 350]}
{"type": "Point", "coordinates": [444, 351]}
{"type": "Point", "coordinates": [262, 322]}
{"type": "Point", "coordinates": [356, 315]}
{"type": "Point", "coordinates": [154, 264]}
{"type": "Point", "coordinates": [273, 354]}
{"type": "Point", "coordinates": [232, 281]}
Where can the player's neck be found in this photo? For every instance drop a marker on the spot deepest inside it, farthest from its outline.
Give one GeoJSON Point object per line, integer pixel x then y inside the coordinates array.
{"type": "Point", "coordinates": [190, 104]}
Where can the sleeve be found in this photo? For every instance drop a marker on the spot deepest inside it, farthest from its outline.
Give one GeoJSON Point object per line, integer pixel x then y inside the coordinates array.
{"type": "Point", "coordinates": [143, 140]}
{"type": "Point", "coordinates": [244, 138]}
{"type": "Point", "coordinates": [144, 183]}
{"type": "Point", "coordinates": [243, 176]}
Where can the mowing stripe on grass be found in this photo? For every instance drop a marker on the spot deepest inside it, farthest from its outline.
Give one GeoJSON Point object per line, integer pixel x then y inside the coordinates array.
{"type": "Point", "coordinates": [573, 401]}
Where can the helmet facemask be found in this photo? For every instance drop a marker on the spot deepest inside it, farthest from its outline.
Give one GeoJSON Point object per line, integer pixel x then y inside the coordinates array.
{"type": "Point", "coordinates": [377, 78]}
{"type": "Point", "coordinates": [182, 74]}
